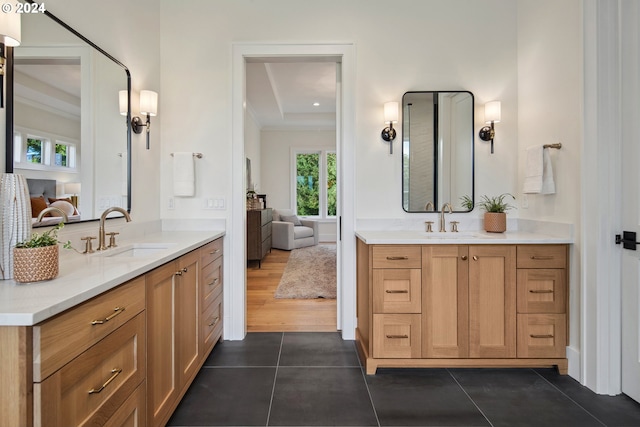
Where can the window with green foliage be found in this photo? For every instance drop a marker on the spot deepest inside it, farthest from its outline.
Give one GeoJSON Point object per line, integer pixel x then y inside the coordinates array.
{"type": "Point", "coordinates": [40, 151]}
{"type": "Point", "coordinates": [316, 184]}
{"type": "Point", "coordinates": [61, 155]}
{"type": "Point", "coordinates": [34, 150]}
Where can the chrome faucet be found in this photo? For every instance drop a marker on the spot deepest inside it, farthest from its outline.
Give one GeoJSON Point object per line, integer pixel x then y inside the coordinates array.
{"type": "Point", "coordinates": [45, 211]}
{"type": "Point", "coordinates": [101, 233]}
{"type": "Point", "coordinates": [443, 224]}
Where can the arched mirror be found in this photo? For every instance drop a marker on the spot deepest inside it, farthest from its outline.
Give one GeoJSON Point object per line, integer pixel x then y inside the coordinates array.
{"type": "Point", "coordinates": [437, 150]}
{"type": "Point", "coordinates": [65, 133]}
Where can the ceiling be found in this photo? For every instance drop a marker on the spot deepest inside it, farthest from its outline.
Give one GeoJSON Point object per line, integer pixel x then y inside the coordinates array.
{"type": "Point", "coordinates": [280, 95]}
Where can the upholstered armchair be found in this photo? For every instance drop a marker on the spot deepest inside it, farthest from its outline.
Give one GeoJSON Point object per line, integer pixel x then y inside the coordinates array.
{"type": "Point", "coordinates": [289, 232]}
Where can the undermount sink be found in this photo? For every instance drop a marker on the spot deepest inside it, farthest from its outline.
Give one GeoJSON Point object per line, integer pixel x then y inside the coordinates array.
{"type": "Point", "coordinates": [136, 250]}
{"type": "Point", "coordinates": [452, 235]}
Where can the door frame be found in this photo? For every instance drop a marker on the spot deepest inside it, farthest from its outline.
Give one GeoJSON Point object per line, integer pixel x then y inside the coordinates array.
{"type": "Point", "coordinates": [235, 306]}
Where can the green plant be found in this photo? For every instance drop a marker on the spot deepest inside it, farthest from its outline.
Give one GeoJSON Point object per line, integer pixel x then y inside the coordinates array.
{"type": "Point", "coordinates": [495, 204]}
{"type": "Point", "coordinates": [467, 203]}
{"type": "Point", "coordinates": [47, 238]}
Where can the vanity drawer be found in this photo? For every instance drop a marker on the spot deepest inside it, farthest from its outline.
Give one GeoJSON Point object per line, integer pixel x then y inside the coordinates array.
{"type": "Point", "coordinates": [542, 290]}
{"type": "Point", "coordinates": [396, 336]}
{"type": "Point", "coordinates": [89, 389]}
{"type": "Point", "coordinates": [132, 413]}
{"type": "Point", "coordinates": [212, 324]}
{"type": "Point", "coordinates": [211, 251]}
{"type": "Point", "coordinates": [542, 256]}
{"type": "Point", "coordinates": [211, 282]}
{"type": "Point", "coordinates": [397, 290]}
{"type": "Point", "coordinates": [542, 335]}
{"type": "Point", "coordinates": [397, 256]}
{"type": "Point", "coordinates": [60, 339]}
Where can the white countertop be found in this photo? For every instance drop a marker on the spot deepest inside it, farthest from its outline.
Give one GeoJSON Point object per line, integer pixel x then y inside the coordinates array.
{"type": "Point", "coordinates": [83, 277]}
{"type": "Point", "coordinates": [403, 237]}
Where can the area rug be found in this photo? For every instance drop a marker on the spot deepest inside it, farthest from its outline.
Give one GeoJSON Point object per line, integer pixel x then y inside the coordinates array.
{"type": "Point", "coordinates": [310, 273]}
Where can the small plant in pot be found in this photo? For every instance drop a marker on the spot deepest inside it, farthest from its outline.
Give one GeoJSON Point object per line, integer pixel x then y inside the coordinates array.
{"type": "Point", "coordinates": [495, 217]}
{"type": "Point", "coordinates": [36, 259]}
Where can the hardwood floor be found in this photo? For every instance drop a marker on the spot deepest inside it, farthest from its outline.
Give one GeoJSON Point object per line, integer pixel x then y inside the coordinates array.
{"type": "Point", "coordinates": [267, 314]}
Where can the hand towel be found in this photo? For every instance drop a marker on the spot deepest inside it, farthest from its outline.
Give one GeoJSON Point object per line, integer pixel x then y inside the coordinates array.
{"type": "Point", "coordinates": [548, 184]}
{"type": "Point", "coordinates": [184, 183]}
{"type": "Point", "coordinates": [533, 170]}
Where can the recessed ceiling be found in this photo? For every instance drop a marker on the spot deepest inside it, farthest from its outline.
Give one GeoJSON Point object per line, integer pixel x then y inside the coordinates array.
{"type": "Point", "coordinates": [280, 95]}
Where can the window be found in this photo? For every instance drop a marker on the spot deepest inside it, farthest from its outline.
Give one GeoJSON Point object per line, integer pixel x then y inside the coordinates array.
{"type": "Point", "coordinates": [32, 151]}
{"type": "Point", "coordinates": [316, 183]}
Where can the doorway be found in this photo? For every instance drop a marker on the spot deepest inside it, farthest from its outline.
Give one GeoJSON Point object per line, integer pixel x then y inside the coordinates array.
{"type": "Point", "coordinates": [235, 318]}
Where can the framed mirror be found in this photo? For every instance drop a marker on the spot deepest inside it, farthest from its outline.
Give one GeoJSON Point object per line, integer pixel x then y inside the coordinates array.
{"type": "Point", "coordinates": [65, 133]}
{"type": "Point", "coordinates": [437, 150]}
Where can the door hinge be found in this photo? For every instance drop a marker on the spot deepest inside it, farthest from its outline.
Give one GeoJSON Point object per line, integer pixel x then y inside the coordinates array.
{"type": "Point", "coordinates": [628, 240]}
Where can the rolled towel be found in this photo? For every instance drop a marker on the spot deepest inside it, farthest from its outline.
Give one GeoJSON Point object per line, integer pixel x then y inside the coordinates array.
{"type": "Point", "coordinates": [184, 183]}
{"type": "Point", "coordinates": [533, 170]}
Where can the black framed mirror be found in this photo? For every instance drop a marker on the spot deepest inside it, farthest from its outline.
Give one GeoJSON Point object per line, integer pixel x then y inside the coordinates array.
{"type": "Point", "coordinates": [437, 150]}
{"type": "Point", "coordinates": [64, 130]}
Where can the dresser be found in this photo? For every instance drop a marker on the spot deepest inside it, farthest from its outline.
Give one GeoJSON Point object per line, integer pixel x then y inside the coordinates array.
{"type": "Point", "coordinates": [258, 234]}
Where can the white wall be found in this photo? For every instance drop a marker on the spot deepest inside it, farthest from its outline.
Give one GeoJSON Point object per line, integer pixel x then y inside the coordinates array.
{"type": "Point", "coordinates": [550, 96]}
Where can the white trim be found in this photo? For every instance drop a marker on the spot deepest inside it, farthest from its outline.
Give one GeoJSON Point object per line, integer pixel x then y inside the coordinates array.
{"type": "Point", "coordinates": [235, 286]}
{"type": "Point", "coordinates": [600, 288]}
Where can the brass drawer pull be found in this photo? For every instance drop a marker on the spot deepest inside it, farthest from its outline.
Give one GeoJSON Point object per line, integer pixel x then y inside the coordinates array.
{"type": "Point", "coordinates": [390, 291]}
{"type": "Point", "coordinates": [541, 258]}
{"type": "Point", "coordinates": [216, 280]}
{"type": "Point", "coordinates": [541, 336]}
{"type": "Point", "coordinates": [114, 374]}
{"type": "Point", "coordinates": [397, 258]}
{"type": "Point", "coordinates": [214, 252]}
{"type": "Point", "coordinates": [541, 291]}
{"type": "Point", "coordinates": [116, 311]}
{"type": "Point", "coordinates": [397, 336]}
{"type": "Point", "coordinates": [181, 272]}
{"type": "Point", "coordinates": [214, 321]}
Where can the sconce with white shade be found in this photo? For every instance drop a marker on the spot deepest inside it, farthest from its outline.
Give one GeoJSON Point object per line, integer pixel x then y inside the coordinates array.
{"type": "Point", "coordinates": [492, 114]}
{"type": "Point", "coordinates": [148, 107]}
{"type": "Point", "coordinates": [10, 35]}
{"type": "Point", "coordinates": [390, 117]}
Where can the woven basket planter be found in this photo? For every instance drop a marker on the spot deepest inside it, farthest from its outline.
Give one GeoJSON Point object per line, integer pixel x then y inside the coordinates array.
{"type": "Point", "coordinates": [35, 264]}
{"type": "Point", "coordinates": [495, 222]}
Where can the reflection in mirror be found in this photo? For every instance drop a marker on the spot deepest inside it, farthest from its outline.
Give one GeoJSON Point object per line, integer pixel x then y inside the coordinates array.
{"type": "Point", "coordinates": [437, 150]}
{"type": "Point", "coordinates": [68, 134]}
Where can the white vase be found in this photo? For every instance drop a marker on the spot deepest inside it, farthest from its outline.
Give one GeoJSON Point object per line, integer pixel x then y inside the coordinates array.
{"type": "Point", "coordinates": [15, 219]}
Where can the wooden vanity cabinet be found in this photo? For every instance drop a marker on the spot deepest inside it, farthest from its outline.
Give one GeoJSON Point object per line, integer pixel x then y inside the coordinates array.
{"type": "Point", "coordinates": [480, 305]}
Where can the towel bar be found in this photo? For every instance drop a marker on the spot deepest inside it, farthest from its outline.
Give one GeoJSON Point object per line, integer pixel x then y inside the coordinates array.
{"type": "Point", "coordinates": [197, 155]}
{"type": "Point", "coordinates": [557, 145]}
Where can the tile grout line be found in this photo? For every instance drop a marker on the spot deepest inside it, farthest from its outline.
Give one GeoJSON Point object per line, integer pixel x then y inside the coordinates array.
{"type": "Point", "coordinates": [569, 397]}
{"type": "Point", "coordinates": [275, 376]}
{"type": "Point", "coordinates": [470, 398]}
{"type": "Point", "coordinates": [364, 378]}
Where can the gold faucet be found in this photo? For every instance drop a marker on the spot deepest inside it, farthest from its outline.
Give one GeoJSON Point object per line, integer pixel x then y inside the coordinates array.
{"type": "Point", "coordinates": [443, 225]}
{"type": "Point", "coordinates": [51, 209]}
{"type": "Point", "coordinates": [429, 205]}
{"type": "Point", "coordinates": [101, 233]}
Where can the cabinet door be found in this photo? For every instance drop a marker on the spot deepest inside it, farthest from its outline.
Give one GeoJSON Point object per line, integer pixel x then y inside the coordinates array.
{"type": "Point", "coordinates": [187, 317]}
{"type": "Point", "coordinates": [162, 375]}
{"type": "Point", "coordinates": [492, 301]}
{"type": "Point", "coordinates": [445, 313]}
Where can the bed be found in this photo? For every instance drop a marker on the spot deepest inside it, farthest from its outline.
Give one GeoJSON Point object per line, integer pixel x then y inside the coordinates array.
{"type": "Point", "coordinates": [43, 195]}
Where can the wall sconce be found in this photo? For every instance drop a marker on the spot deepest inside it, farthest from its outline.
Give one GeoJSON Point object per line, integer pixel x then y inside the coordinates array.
{"type": "Point", "coordinates": [390, 117]}
{"type": "Point", "coordinates": [491, 115]}
{"type": "Point", "coordinates": [9, 37]}
{"type": "Point", "coordinates": [148, 106]}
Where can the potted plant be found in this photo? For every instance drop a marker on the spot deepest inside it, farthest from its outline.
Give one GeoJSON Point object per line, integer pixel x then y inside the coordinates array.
{"type": "Point", "coordinates": [495, 217]}
{"type": "Point", "coordinates": [36, 259]}
{"type": "Point", "coordinates": [467, 203]}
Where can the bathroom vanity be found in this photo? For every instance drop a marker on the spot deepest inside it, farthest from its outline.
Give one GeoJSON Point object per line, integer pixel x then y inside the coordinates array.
{"type": "Point", "coordinates": [117, 338]}
{"type": "Point", "coordinates": [456, 300]}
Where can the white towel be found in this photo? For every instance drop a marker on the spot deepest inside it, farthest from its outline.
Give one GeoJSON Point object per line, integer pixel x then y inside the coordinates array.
{"type": "Point", "coordinates": [533, 170]}
{"type": "Point", "coordinates": [184, 182]}
{"type": "Point", "coordinates": [548, 184]}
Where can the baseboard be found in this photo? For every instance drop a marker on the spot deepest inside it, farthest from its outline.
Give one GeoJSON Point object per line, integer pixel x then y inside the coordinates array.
{"type": "Point", "coordinates": [573, 356]}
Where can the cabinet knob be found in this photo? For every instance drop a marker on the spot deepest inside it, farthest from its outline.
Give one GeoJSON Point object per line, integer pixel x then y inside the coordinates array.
{"type": "Point", "coordinates": [475, 258]}
{"type": "Point", "coordinates": [464, 257]}
{"type": "Point", "coordinates": [179, 273]}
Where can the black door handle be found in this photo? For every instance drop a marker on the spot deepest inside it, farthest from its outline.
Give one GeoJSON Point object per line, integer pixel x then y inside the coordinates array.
{"type": "Point", "coordinates": [628, 240]}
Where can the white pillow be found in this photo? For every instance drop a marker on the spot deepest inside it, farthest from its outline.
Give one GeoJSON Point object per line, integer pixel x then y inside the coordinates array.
{"type": "Point", "coordinates": [65, 207]}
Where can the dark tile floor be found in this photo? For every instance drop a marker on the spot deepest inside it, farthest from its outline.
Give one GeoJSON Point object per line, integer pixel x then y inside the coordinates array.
{"type": "Point", "coordinates": [315, 379]}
